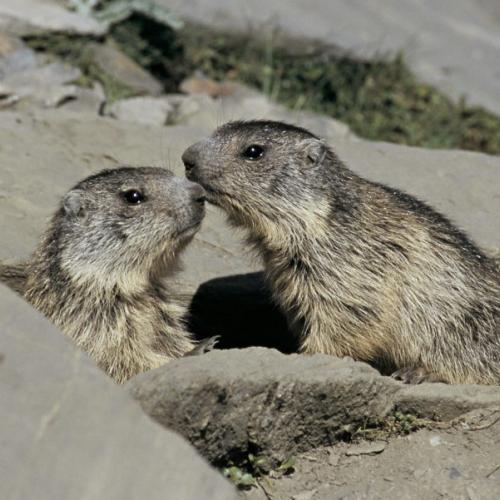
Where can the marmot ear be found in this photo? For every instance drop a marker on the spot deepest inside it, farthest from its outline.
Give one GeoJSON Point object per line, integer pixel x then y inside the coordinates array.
{"type": "Point", "coordinates": [315, 150]}
{"type": "Point", "coordinates": [73, 204]}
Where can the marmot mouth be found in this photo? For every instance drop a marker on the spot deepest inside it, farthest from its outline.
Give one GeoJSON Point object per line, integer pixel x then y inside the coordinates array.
{"type": "Point", "coordinates": [194, 225]}
{"type": "Point", "coordinates": [213, 195]}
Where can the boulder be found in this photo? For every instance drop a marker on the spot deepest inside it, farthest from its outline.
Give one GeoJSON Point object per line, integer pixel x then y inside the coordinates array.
{"type": "Point", "coordinates": [30, 17]}
{"type": "Point", "coordinates": [230, 404]}
{"type": "Point", "coordinates": [145, 110]}
{"type": "Point", "coordinates": [69, 432]}
{"type": "Point", "coordinates": [122, 69]}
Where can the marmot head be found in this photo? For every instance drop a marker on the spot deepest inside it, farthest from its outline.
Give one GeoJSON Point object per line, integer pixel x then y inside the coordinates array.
{"type": "Point", "coordinates": [124, 223]}
{"type": "Point", "coordinates": [259, 169]}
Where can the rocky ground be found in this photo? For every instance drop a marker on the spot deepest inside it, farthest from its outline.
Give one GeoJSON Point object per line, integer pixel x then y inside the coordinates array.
{"type": "Point", "coordinates": [452, 44]}
{"type": "Point", "coordinates": [287, 427]}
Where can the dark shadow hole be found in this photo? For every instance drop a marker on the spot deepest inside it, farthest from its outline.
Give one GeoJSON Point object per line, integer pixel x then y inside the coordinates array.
{"type": "Point", "coordinates": [239, 308]}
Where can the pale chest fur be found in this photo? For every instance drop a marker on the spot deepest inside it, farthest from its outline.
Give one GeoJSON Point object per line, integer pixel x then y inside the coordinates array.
{"type": "Point", "coordinates": [330, 305]}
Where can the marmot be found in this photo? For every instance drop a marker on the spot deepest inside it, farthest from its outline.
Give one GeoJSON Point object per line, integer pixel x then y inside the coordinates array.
{"type": "Point", "coordinates": [98, 271]}
{"type": "Point", "coordinates": [358, 268]}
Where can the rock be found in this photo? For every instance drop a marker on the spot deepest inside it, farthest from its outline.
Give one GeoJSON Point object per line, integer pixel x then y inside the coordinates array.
{"type": "Point", "coordinates": [27, 80]}
{"type": "Point", "coordinates": [23, 59]}
{"type": "Point", "coordinates": [9, 44]}
{"type": "Point", "coordinates": [232, 403]}
{"type": "Point", "coordinates": [124, 70]}
{"type": "Point", "coordinates": [15, 56]}
{"type": "Point", "coordinates": [7, 98]}
{"type": "Point", "coordinates": [69, 432]}
{"type": "Point", "coordinates": [436, 441]}
{"type": "Point", "coordinates": [86, 99]}
{"type": "Point", "coordinates": [43, 85]}
{"type": "Point", "coordinates": [305, 495]}
{"type": "Point", "coordinates": [207, 86]}
{"type": "Point", "coordinates": [446, 402]}
{"type": "Point", "coordinates": [30, 17]}
{"type": "Point", "coordinates": [144, 110]}
{"type": "Point", "coordinates": [229, 404]}
{"type": "Point", "coordinates": [368, 448]}
{"type": "Point", "coordinates": [333, 458]}
{"type": "Point", "coordinates": [55, 73]}
{"type": "Point", "coordinates": [55, 96]}
{"type": "Point", "coordinates": [453, 46]}
{"type": "Point", "coordinates": [247, 104]}
{"type": "Point", "coordinates": [188, 106]}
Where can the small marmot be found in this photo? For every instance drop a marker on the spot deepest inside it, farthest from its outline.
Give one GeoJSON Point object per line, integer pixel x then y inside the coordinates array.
{"type": "Point", "coordinates": [358, 268]}
{"type": "Point", "coordinates": [98, 272]}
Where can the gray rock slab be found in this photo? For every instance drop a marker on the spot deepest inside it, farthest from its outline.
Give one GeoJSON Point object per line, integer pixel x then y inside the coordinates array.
{"type": "Point", "coordinates": [15, 56]}
{"type": "Point", "coordinates": [44, 152]}
{"type": "Point", "coordinates": [28, 17]}
{"type": "Point", "coordinates": [123, 69]}
{"type": "Point", "coordinates": [446, 402]}
{"type": "Point", "coordinates": [52, 74]}
{"type": "Point", "coordinates": [29, 80]}
{"type": "Point", "coordinates": [86, 100]}
{"type": "Point", "coordinates": [9, 44]}
{"type": "Point", "coordinates": [246, 104]}
{"type": "Point", "coordinates": [232, 403]}
{"type": "Point", "coordinates": [69, 432]}
{"type": "Point", "coordinates": [144, 110]}
{"type": "Point", "coordinates": [453, 44]}
{"type": "Point", "coordinates": [43, 86]}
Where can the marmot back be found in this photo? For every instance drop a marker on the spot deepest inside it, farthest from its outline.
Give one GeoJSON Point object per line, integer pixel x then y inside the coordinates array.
{"type": "Point", "coordinates": [98, 272]}
{"type": "Point", "coordinates": [360, 269]}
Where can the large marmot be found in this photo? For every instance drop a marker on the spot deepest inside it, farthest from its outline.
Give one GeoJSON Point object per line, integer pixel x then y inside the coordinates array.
{"type": "Point", "coordinates": [360, 269]}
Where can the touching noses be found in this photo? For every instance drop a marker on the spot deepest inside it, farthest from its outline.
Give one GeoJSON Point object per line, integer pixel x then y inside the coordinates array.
{"type": "Point", "coordinates": [197, 193]}
{"type": "Point", "coordinates": [189, 159]}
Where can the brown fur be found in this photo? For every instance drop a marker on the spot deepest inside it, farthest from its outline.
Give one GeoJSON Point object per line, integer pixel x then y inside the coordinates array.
{"type": "Point", "coordinates": [359, 269]}
{"type": "Point", "coordinates": [98, 272]}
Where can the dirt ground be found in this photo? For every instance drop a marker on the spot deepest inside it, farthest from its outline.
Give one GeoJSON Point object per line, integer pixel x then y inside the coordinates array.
{"type": "Point", "coordinates": [462, 462]}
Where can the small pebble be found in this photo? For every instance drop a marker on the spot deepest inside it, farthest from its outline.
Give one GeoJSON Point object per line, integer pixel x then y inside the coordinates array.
{"type": "Point", "coordinates": [366, 449]}
{"type": "Point", "coordinates": [435, 441]}
{"type": "Point", "coordinates": [333, 459]}
{"type": "Point", "coordinates": [304, 495]}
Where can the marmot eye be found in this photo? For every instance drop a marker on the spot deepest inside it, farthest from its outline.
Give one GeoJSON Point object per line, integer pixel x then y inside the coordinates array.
{"type": "Point", "coordinates": [133, 197]}
{"type": "Point", "coordinates": [253, 152]}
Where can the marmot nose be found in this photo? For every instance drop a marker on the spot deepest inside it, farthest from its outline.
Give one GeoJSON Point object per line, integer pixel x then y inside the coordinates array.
{"type": "Point", "coordinates": [197, 193]}
{"type": "Point", "coordinates": [189, 160]}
